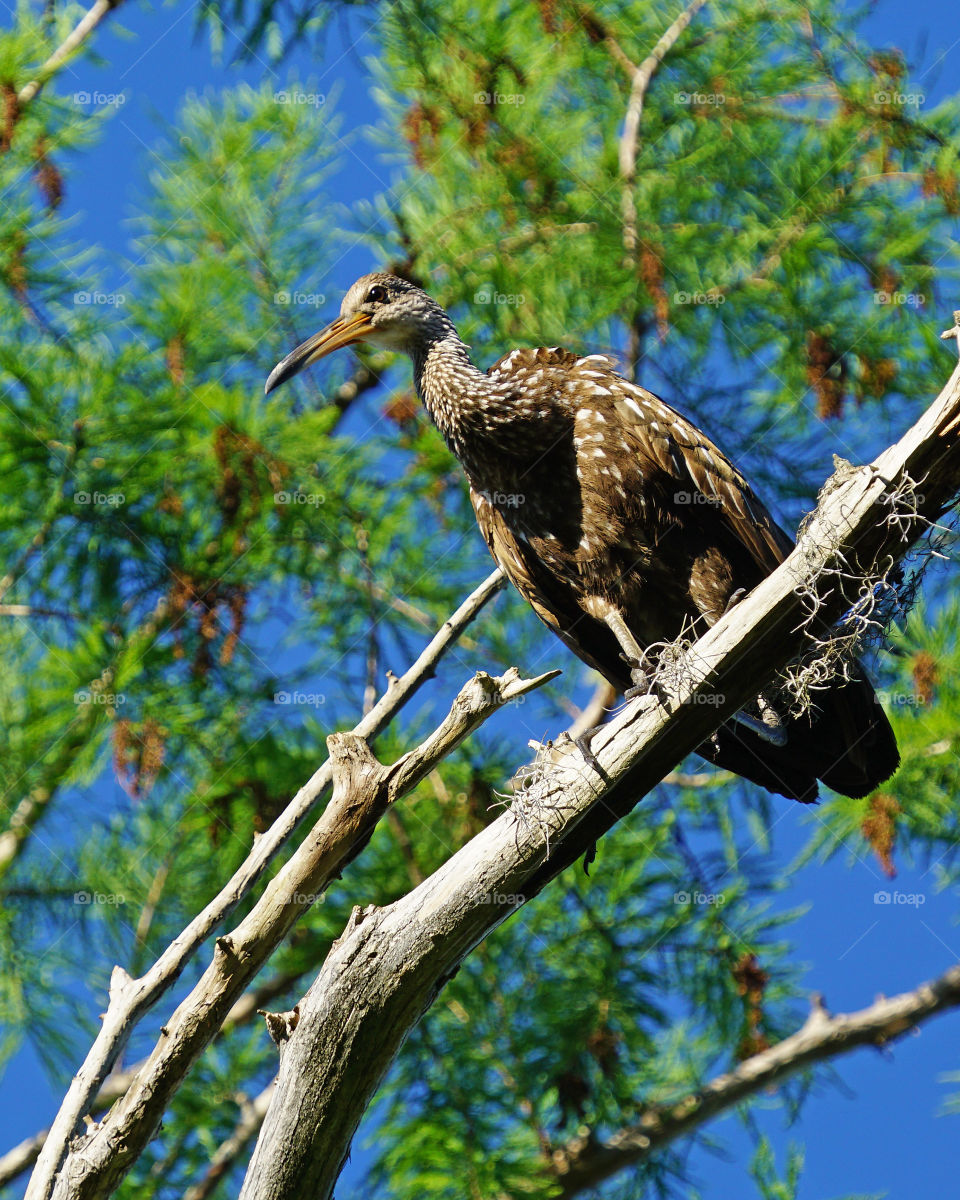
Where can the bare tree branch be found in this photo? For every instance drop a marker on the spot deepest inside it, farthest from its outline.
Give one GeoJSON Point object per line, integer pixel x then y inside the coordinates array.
{"type": "Point", "coordinates": [131, 998]}
{"type": "Point", "coordinates": [67, 48]}
{"type": "Point", "coordinates": [630, 138]}
{"type": "Point", "coordinates": [341, 833]}
{"type": "Point", "coordinates": [390, 963]}
{"type": "Point", "coordinates": [22, 1157]}
{"type": "Point", "coordinates": [821, 1037]}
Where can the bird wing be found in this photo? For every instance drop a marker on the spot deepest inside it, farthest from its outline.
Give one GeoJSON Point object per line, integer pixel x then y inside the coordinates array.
{"type": "Point", "coordinates": [689, 471]}
{"type": "Point", "coordinates": [550, 597]}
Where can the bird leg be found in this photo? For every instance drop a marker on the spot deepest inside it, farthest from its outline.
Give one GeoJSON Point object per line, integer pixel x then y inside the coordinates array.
{"type": "Point", "coordinates": [582, 743]}
{"type": "Point", "coordinates": [770, 727]}
{"type": "Point", "coordinates": [641, 668]}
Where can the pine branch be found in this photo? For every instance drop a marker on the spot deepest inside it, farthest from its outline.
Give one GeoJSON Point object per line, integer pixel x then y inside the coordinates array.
{"type": "Point", "coordinates": [822, 1037]}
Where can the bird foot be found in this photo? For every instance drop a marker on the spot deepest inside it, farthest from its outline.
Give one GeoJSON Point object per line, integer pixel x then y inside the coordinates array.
{"type": "Point", "coordinates": [642, 677]}
{"type": "Point", "coordinates": [773, 734]}
{"type": "Point", "coordinates": [734, 599]}
{"type": "Point", "coordinates": [582, 743]}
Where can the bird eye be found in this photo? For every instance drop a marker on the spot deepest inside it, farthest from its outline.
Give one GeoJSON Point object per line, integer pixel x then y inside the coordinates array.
{"type": "Point", "coordinates": [377, 295]}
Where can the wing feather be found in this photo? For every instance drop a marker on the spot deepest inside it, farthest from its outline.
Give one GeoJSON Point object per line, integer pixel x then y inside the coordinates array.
{"type": "Point", "coordinates": [688, 462]}
{"type": "Point", "coordinates": [548, 595]}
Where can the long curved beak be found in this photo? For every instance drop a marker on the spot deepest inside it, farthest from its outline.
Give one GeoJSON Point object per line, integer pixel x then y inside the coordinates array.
{"type": "Point", "coordinates": [344, 331]}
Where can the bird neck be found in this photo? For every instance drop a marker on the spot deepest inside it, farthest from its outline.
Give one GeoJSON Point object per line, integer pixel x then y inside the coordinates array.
{"type": "Point", "coordinates": [457, 394]}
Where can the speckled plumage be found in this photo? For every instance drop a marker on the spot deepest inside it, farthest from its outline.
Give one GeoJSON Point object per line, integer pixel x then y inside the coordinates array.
{"type": "Point", "coordinates": [601, 502]}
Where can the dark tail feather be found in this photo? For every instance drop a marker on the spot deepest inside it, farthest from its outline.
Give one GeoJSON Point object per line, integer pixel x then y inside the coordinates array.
{"type": "Point", "coordinates": [780, 769]}
{"type": "Point", "coordinates": [856, 749]}
{"type": "Point", "coordinates": [847, 743]}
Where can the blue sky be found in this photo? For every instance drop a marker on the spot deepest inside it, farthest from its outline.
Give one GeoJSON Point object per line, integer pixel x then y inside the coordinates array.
{"type": "Point", "coordinates": [878, 1134]}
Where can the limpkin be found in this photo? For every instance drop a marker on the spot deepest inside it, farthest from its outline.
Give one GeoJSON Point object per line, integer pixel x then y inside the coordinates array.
{"type": "Point", "coordinates": [618, 521]}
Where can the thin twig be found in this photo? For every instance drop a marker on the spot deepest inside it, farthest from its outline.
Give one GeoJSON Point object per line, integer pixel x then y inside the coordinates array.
{"type": "Point", "coordinates": [252, 1113]}
{"type": "Point", "coordinates": [67, 48]}
{"type": "Point", "coordinates": [630, 138]}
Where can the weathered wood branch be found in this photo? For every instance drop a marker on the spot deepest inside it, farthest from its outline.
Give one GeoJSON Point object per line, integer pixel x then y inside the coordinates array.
{"type": "Point", "coordinates": [390, 963]}
{"type": "Point", "coordinates": [20, 1158]}
{"type": "Point", "coordinates": [131, 998]}
{"type": "Point", "coordinates": [822, 1037]}
{"type": "Point", "coordinates": [96, 1163]}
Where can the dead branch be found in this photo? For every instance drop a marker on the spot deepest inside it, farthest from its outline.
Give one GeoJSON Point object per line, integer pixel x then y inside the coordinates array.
{"type": "Point", "coordinates": [341, 833]}
{"type": "Point", "coordinates": [822, 1037]}
{"type": "Point", "coordinates": [67, 48]}
{"type": "Point", "coordinates": [21, 1158]}
{"type": "Point", "coordinates": [131, 998]}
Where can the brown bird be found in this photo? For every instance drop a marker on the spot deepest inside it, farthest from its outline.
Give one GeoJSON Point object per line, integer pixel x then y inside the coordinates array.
{"type": "Point", "coordinates": [617, 519]}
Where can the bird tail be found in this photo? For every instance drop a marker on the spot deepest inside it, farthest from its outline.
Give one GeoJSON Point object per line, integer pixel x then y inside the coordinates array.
{"type": "Point", "coordinates": [846, 742]}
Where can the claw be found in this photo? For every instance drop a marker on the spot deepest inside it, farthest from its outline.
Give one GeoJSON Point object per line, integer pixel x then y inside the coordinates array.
{"type": "Point", "coordinates": [641, 676]}
{"type": "Point", "coordinates": [582, 743]}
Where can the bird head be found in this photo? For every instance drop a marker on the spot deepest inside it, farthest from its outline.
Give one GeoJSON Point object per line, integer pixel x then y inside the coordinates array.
{"type": "Point", "coordinates": [381, 309]}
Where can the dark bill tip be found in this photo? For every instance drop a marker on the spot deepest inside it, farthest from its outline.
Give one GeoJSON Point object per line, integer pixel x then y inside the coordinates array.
{"type": "Point", "coordinates": [284, 370]}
